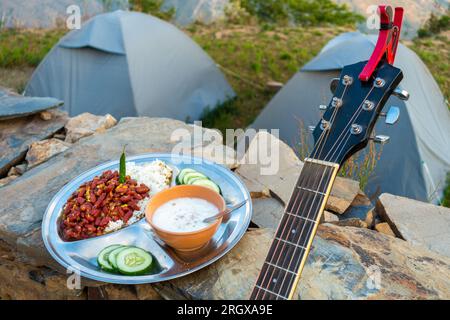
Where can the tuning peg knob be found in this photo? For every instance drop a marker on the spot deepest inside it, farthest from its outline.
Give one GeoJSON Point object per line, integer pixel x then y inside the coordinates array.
{"type": "Point", "coordinates": [391, 116]}
{"type": "Point", "coordinates": [401, 94]}
{"type": "Point", "coordinates": [323, 107]}
{"type": "Point", "coordinates": [311, 128]}
{"type": "Point", "coordinates": [380, 139]}
{"type": "Point", "coordinates": [334, 84]}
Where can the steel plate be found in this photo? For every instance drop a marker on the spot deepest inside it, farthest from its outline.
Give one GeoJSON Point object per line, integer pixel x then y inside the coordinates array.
{"type": "Point", "coordinates": [82, 255]}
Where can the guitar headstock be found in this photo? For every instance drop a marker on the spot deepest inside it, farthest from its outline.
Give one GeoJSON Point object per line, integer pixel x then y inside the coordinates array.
{"type": "Point", "coordinates": [347, 125]}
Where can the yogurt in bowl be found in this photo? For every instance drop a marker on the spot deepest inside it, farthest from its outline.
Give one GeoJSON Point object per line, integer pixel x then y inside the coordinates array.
{"type": "Point", "coordinates": [176, 215]}
{"type": "Point", "coordinates": [184, 214]}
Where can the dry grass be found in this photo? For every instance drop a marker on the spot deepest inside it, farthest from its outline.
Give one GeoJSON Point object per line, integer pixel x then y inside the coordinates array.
{"type": "Point", "coordinates": [15, 78]}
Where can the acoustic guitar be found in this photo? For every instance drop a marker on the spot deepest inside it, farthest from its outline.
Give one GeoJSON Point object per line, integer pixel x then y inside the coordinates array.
{"type": "Point", "coordinates": [345, 128]}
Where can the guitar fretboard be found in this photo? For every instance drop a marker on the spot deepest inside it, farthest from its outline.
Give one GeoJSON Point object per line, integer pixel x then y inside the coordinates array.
{"type": "Point", "coordinates": [288, 252]}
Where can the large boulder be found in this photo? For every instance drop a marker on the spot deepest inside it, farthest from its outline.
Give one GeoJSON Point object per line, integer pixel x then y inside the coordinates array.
{"type": "Point", "coordinates": [18, 134]}
{"type": "Point", "coordinates": [417, 222]}
{"type": "Point", "coordinates": [344, 263]}
{"type": "Point", "coordinates": [271, 167]}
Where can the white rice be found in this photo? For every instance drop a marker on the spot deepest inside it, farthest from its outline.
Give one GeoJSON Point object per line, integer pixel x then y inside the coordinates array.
{"type": "Point", "coordinates": [156, 175]}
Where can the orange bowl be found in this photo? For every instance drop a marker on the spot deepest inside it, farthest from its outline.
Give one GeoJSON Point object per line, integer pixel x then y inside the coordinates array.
{"type": "Point", "coordinates": [185, 241]}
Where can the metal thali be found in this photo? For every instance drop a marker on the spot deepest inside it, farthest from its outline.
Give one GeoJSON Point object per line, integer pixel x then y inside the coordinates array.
{"type": "Point", "coordinates": [82, 255]}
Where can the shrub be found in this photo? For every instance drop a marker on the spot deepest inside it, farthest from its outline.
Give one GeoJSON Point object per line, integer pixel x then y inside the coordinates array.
{"type": "Point", "coordinates": [434, 25]}
{"type": "Point", "coordinates": [301, 12]}
{"type": "Point", "coordinates": [152, 7]}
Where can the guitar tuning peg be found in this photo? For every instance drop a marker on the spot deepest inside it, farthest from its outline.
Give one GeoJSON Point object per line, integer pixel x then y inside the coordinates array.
{"type": "Point", "coordinates": [401, 94]}
{"type": "Point", "coordinates": [311, 128]}
{"type": "Point", "coordinates": [334, 84]}
{"type": "Point", "coordinates": [323, 107]}
{"type": "Point", "coordinates": [380, 139]}
{"type": "Point", "coordinates": [391, 116]}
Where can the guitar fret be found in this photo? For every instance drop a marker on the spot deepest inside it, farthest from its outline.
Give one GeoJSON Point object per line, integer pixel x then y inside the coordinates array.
{"type": "Point", "coordinates": [281, 268]}
{"type": "Point", "coordinates": [291, 243]}
{"type": "Point", "coordinates": [310, 190]}
{"type": "Point", "coordinates": [301, 217]}
{"type": "Point", "coordinates": [271, 292]}
{"type": "Point", "coordinates": [284, 261]}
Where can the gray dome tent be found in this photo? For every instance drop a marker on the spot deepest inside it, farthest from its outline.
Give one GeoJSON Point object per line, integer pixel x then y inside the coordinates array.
{"type": "Point", "coordinates": [130, 64]}
{"type": "Point", "coordinates": [417, 159]}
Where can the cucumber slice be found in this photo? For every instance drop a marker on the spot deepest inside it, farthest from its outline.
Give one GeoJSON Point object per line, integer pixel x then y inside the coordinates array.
{"type": "Point", "coordinates": [190, 177]}
{"type": "Point", "coordinates": [102, 258]}
{"type": "Point", "coordinates": [134, 261]}
{"type": "Point", "coordinates": [182, 174]}
{"type": "Point", "coordinates": [208, 184]}
{"type": "Point", "coordinates": [112, 257]}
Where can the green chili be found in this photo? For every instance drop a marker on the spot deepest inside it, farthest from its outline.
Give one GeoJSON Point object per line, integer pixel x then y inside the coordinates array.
{"type": "Point", "coordinates": [122, 167]}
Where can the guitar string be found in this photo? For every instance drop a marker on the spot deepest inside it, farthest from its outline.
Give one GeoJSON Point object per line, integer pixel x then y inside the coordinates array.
{"type": "Point", "coordinates": [346, 131]}
{"type": "Point", "coordinates": [315, 175]}
{"type": "Point", "coordinates": [257, 290]}
{"type": "Point", "coordinates": [279, 226]}
{"type": "Point", "coordinates": [319, 148]}
{"type": "Point", "coordinates": [343, 145]}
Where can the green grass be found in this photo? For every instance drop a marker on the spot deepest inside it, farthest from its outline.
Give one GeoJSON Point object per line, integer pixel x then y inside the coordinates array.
{"type": "Point", "coordinates": [26, 48]}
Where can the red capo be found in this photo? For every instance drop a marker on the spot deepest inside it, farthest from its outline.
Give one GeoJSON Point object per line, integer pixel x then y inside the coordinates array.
{"type": "Point", "coordinates": [387, 43]}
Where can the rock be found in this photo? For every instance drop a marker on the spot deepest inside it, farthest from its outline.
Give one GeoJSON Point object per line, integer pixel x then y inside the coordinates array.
{"type": "Point", "coordinates": [7, 180]}
{"type": "Point", "coordinates": [274, 86]}
{"type": "Point", "coordinates": [59, 136]}
{"type": "Point", "coordinates": [328, 216]}
{"type": "Point", "coordinates": [87, 124]}
{"type": "Point", "coordinates": [13, 105]}
{"type": "Point", "coordinates": [147, 292]}
{"type": "Point", "coordinates": [18, 134]}
{"type": "Point", "coordinates": [279, 174]}
{"type": "Point", "coordinates": [119, 292]}
{"type": "Point", "coordinates": [21, 282]}
{"type": "Point", "coordinates": [274, 172]}
{"type": "Point", "coordinates": [267, 212]}
{"type": "Point", "coordinates": [385, 229]}
{"type": "Point", "coordinates": [43, 150]}
{"type": "Point", "coordinates": [342, 195]}
{"type": "Point", "coordinates": [13, 172]}
{"type": "Point", "coordinates": [352, 222]}
{"type": "Point", "coordinates": [343, 264]}
{"type": "Point", "coordinates": [371, 218]}
{"type": "Point", "coordinates": [46, 116]}
{"type": "Point", "coordinates": [24, 202]}
{"type": "Point", "coordinates": [417, 222]}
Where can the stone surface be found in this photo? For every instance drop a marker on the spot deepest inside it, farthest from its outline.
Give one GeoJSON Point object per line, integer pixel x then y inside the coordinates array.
{"type": "Point", "coordinates": [7, 180]}
{"type": "Point", "coordinates": [87, 124]}
{"type": "Point", "coordinates": [26, 199]}
{"type": "Point", "coordinates": [13, 105]}
{"type": "Point", "coordinates": [384, 227]}
{"type": "Point", "coordinates": [328, 216]}
{"type": "Point", "coordinates": [17, 135]}
{"type": "Point", "coordinates": [267, 212]}
{"type": "Point", "coordinates": [371, 218]}
{"type": "Point", "coordinates": [342, 195]}
{"type": "Point", "coordinates": [340, 265]}
{"type": "Point", "coordinates": [352, 222]}
{"type": "Point", "coordinates": [274, 86]}
{"type": "Point", "coordinates": [417, 222]}
{"type": "Point", "coordinates": [255, 163]}
{"type": "Point", "coordinates": [41, 151]}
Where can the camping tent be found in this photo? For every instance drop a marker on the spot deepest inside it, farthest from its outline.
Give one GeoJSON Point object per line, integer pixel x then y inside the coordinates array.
{"type": "Point", "coordinates": [130, 64]}
{"type": "Point", "coordinates": [417, 159]}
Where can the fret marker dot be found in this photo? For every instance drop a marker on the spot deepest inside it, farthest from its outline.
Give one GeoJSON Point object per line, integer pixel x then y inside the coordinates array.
{"type": "Point", "coordinates": [274, 280]}
{"type": "Point", "coordinates": [294, 231]}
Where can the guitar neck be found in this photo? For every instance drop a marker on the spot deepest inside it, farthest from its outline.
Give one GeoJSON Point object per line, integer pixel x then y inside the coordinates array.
{"type": "Point", "coordinates": [287, 255]}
